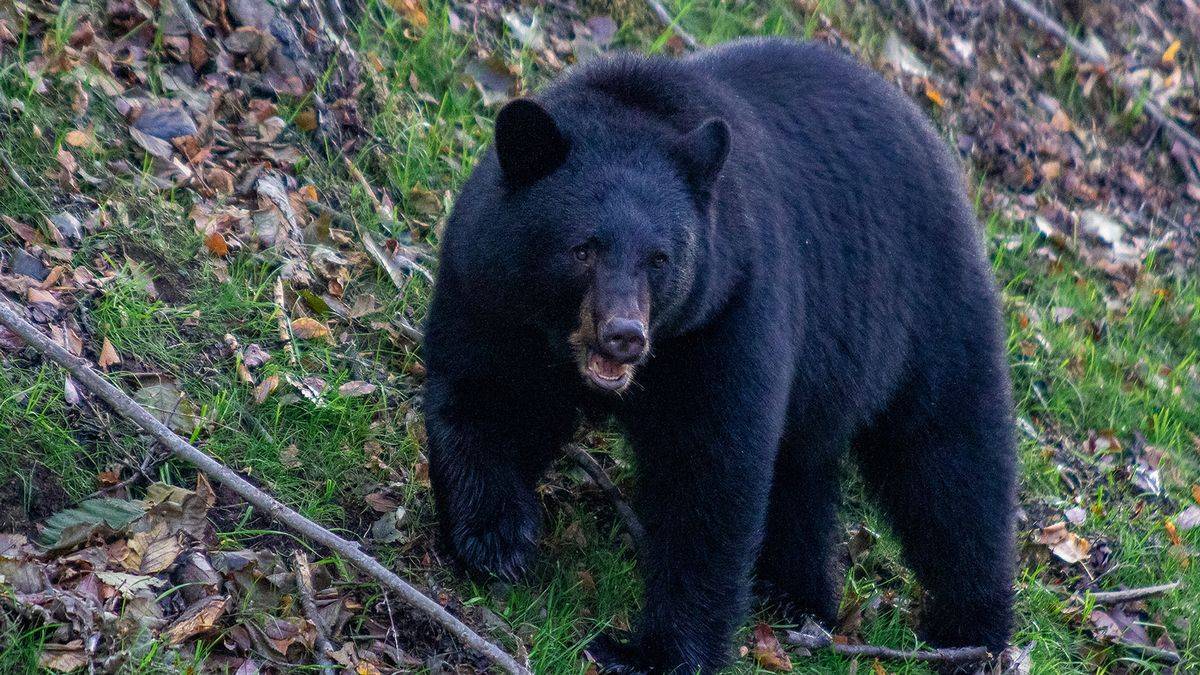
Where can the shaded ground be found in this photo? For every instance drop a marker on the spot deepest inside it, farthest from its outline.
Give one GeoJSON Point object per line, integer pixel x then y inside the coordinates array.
{"type": "Point", "coordinates": [181, 261]}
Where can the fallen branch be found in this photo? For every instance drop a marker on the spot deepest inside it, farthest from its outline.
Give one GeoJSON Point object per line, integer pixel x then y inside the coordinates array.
{"type": "Point", "coordinates": [277, 510]}
{"type": "Point", "coordinates": [1146, 651]}
{"type": "Point", "coordinates": [593, 469]}
{"type": "Point", "coordinates": [820, 639]}
{"type": "Point", "coordinates": [669, 21]}
{"type": "Point", "coordinates": [304, 587]}
{"type": "Point", "coordinates": [1094, 57]}
{"type": "Point", "coordinates": [1130, 594]}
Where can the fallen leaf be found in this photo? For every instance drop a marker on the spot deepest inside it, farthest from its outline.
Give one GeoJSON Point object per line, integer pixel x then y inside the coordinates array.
{"type": "Point", "coordinates": [215, 243]}
{"type": "Point", "coordinates": [768, 652]}
{"type": "Point", "coordinates": [255, 356]}
{"type": "Point", "coordinates": [108, 356]}
{"type": "Point", "coordinates": [200, 617]}
{"type": "Point", "coordinates": [381, 502]}
{"type": "Point", "coordinates": [412, 11]}
{"type": "Point", "coordinates": [355, 388]}
{"type": "Point", "coordinates": [290, 456]}
{"type": "Point", "coordinates": [307, 328]}
{"type": "Point", "coordinates": [1067, 546]}
{"type": "Point", "coordinates": [63, 658]}
{"type": "Point", "coordinates": [934, 95]}
{"type": "Point", "coordinates": [264, 388]}
{"type": "Point", "coordinates": [1171, 51]}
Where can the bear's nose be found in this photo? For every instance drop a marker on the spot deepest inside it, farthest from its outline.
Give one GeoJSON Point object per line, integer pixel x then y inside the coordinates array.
{"type": "Point", "coordinates": [623, 340]}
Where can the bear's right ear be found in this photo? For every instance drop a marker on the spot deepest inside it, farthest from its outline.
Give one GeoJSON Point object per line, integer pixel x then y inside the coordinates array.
{"type": "Point", "coordinates": [528, 142]}
{"type": "Point", "coordinates": [701, 152]}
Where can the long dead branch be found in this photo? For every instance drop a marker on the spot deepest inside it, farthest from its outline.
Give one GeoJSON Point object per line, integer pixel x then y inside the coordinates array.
{"type": "Point", "coordinates": [1094, 57]}
{"type": "Point", "coordinates": [277, 510]}
{"type": "Point", "coordinates": [596, 472]}
{"type": "Point", "coordinates": [950, 656]}
{"type": "Point", "coordinates": [1131, 594]}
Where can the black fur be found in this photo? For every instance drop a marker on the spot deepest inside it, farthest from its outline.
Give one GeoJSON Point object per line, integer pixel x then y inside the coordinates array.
{"type": "Point", "coordinates": [796, 241]}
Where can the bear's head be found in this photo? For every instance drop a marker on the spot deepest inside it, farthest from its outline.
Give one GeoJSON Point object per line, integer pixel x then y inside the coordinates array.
{"type": "Point", "coordinates": [603, 226]}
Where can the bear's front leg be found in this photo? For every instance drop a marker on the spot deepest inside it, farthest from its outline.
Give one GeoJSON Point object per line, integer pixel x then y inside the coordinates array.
{"type": "Point", "coordinates": [705, 453]}
{"type": "Point", "coordinates": [488, 446]}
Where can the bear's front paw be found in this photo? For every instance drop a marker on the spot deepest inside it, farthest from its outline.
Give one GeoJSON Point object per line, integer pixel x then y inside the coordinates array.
{"type": "Point", "coordinates": [503, 545]}
{"type": "Point", "coordinates": [615, 656]}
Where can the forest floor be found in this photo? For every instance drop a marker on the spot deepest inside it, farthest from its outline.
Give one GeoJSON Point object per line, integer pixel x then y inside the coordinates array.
{"type": "Point", "coordinates": [237, 224]}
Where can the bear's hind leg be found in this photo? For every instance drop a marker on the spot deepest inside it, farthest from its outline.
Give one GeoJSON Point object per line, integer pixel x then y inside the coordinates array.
{"type": "Point", "coordinates": [942, 465]}
{"type": "Point", "coordinates": [797, 566]}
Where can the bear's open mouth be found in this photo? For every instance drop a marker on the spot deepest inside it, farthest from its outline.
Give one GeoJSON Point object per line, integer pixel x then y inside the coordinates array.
{"type": "Point", "coordinates": [607, 374]}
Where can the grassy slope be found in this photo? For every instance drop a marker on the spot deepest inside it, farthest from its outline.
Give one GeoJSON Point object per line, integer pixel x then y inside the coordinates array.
{"type": "Point", "coordinates": [1065, 378]}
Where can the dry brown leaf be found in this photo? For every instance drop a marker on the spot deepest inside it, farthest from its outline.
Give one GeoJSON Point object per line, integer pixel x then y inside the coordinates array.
{"type": "Point", "coordinates": [63, 658]}
{"type": "Point", "coordinates": [264, 388]}
{"type": "Point", "coordinates": [768, 652]}
{"type": "Point", "coordinates": [307, 328]}
{"type": "Point", "coordinates": [355, 388]}
{"type": "Point", "coordinates": [412, 11]}
{"type": "Point", "coordinates": [1061, 121]}
{"type": "Point", "coordinates": [1067, 546]}
{"type": "Point", "coordinates": [108, 356]}
{"type": "Point", "coordinates": [196, 619]}
{"type": "Point", "coordinates": [215, 243]}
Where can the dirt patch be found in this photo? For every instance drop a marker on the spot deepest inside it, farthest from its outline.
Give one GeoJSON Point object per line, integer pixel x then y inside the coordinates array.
{"type": "Point", "coordinates": [26, 500]}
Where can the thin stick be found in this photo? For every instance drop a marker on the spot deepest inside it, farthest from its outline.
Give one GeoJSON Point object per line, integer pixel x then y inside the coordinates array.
{"type": "Point", "coordinates": [669, 21]}
{"type": "Point", "coordinates": [277, 510]}
{"type": "Point", "coordinates": [951, 655]}
{"type": "Point", "coordinates": [1131, 594]}
{"type": "Point", "coordinates": [305, 589]}
{"type": "Point", "coordinates": [1050, 25]}
{"type": "Point", "coordinates": [593, 469]}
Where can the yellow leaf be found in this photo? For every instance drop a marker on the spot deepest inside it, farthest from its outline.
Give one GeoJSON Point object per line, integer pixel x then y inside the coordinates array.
{"type": "Point", "coordinates": [934, 95]}
{"type": "Point", "coordinates": [411, 10]}
{"type": "Point", "coordinates": [1169, 55]}
{"type": "Point", "coordinates": [1172, 532]}
{"type": "Point", "coordinates": [108, 356]}
{"type": "Point", "coordinates": [309, 329]}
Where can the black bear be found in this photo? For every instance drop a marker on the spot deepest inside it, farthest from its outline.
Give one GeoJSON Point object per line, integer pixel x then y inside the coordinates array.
{"type": "Point", "coordinates": [758, 259]}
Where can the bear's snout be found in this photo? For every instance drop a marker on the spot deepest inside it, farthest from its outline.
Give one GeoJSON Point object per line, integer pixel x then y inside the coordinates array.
{"type": "Point", "coordinates": [623, 340]}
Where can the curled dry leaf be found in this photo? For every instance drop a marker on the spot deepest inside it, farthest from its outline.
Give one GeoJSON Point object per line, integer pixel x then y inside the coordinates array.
{"type": "Point", "coordinates": [768, 652]}
{"type": "Point", "coordinates": [264, 388]}
{"type": "Point", "coordinates": [1067, 546]}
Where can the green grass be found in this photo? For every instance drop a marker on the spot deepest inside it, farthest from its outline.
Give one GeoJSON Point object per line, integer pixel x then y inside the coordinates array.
{"type": "Point", "coordinates": [1130, 369]}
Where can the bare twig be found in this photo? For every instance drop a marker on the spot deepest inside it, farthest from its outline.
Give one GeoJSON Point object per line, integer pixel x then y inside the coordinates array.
{"type": "Point", "coordinates": [1131, 594]}
{"type": "Point", "coordinates": [593, 469]}
{"type": "Point", "coordinates": [823, 640]}
{"type": "Point", "coordinates": [669, 21]}
{"type": "Point", "coordinates": [305, 589]}
{"type": "Point", "coordinates": [1146, 651]}
{"type": "Point", "coordinates": [1094, 57]}
{"type": "Point", "coordinates": [121, 403]}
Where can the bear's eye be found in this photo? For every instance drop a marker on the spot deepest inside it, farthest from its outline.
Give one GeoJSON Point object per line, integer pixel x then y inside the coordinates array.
{"type": "Point", "coordinates": [659, 260]}
{"type": "Point", "coordinates": [582, 252]}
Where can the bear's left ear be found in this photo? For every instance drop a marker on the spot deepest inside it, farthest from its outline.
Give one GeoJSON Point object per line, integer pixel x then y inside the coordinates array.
{"type": "Point", "coordinates": [528, 142]}
{"type": "Point", "coordinates": [701, 152]}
